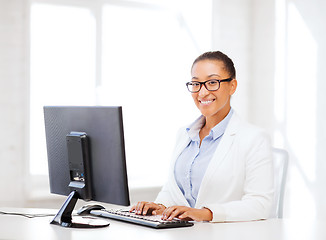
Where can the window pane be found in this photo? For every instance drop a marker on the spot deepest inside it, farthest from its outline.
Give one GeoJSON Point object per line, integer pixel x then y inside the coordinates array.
{"type": "Point", "coordinates": [62, 67]}
{"type": "Point", "coordinates": [147, 56]}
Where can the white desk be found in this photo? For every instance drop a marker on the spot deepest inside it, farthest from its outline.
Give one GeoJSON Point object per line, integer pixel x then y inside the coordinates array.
{"type": "Point", "coordinates": [17, 227]}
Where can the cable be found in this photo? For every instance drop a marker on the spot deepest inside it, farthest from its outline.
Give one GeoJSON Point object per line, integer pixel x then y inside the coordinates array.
{"type": "Point", "coordinates": [27, 215]}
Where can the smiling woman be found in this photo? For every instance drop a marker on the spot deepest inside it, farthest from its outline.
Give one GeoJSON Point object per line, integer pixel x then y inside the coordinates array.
{"type": "Point", "coordinates": [213, 104]}
{"type": "Point", "coordinates": [222, 166]}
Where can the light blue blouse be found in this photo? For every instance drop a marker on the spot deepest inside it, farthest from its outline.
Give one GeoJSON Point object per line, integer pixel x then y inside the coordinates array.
{"type": "Point", "coordinates": [192, 163]}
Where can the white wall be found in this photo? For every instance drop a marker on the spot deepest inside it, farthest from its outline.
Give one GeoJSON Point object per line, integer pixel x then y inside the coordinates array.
{"type": "Point", "coordinates": [251, 33]}
{"type": "Point", "coordinates": [313, 13]}
{"type": "Point", "coordinates": [232, 35]}
{"type": "Point", "coordinates": [245, 30]}
{"type": "Point", "coordinates": [13, 101]}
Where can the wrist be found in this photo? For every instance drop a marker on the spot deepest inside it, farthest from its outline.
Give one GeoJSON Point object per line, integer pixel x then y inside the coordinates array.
{"type": "Point", "coordinates": [208, 214]}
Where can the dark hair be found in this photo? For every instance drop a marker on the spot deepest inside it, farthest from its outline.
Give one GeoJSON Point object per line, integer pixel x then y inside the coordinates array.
{"type": "Point", "coordinates": [218, 56]}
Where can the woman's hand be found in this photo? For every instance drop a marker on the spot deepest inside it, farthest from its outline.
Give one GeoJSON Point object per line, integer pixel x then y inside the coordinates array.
{"type": "Point", "coordinates": [150, 208]}
{"type": "Point", "coordinates": [187, 213]}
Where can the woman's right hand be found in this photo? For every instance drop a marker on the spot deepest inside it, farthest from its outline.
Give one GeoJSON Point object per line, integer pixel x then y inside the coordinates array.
{"type": "Point", "coordinates": [148, 208]}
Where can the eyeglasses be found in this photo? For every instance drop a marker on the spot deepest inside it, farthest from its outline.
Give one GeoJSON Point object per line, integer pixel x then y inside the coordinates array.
{"type": "Point", "coordinates": [210, 85]}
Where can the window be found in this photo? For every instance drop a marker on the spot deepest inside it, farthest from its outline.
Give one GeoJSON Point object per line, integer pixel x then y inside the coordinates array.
{"type": "Point", "coordinates": [134, 54]}
{"type": "Point", "coordinates": [149, 52]}
{"type": "Point", "coordinates": [62, 67]}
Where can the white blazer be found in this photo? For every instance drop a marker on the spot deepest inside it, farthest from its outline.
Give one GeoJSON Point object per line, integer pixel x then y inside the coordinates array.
{"type": "Point", "coordinates": [238, 182]}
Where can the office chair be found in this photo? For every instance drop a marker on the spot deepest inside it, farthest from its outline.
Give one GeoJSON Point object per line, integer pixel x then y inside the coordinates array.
{"type": "Point", "coordinates": [281, 161]}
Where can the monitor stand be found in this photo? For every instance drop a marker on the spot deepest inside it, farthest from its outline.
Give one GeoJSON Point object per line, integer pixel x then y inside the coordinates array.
{"type": "Point", "coordinates": [64, 216]}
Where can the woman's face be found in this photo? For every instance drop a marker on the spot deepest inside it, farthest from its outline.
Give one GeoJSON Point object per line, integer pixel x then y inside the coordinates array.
{"type": "Point", "coordinates": [212, 103]}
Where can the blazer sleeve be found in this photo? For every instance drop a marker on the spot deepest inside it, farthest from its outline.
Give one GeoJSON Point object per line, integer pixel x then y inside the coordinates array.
{"type": "Point", "coordinates": [164, 197]}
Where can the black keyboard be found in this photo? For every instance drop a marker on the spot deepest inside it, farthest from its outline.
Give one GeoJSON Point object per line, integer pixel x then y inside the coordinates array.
{"type": "Point", "coordinates": [153, 221]}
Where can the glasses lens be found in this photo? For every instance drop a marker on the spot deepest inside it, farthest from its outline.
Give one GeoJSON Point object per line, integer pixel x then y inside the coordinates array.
{"type": "Point", "coordinates": [193, 86]}
{"type": "Point", "coordinates": [212, 85]}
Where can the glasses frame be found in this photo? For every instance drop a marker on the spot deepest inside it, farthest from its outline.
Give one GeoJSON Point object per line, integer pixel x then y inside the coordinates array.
{"type": "Point", "coordinates": [204, 83]}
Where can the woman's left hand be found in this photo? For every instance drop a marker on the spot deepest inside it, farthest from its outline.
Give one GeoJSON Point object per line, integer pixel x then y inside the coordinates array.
{"type": "Point", "coordinates": [187, 213]}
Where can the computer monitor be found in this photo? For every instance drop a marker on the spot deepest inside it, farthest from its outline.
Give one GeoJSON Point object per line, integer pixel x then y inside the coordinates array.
{"type": "Point", "coordinates": [86, 157]}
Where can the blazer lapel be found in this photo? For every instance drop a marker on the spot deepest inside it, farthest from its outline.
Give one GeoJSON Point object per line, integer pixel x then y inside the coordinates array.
{"type": "Point", "coordinates": [219, 155]}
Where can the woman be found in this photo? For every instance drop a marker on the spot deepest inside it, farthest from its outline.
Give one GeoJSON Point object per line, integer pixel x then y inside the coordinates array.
{"type": "Point", "coordinates": [222, 165]}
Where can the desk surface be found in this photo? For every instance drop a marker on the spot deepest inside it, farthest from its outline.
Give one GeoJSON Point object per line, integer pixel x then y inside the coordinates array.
{"type": "Point", "coordinates": [18, 227]}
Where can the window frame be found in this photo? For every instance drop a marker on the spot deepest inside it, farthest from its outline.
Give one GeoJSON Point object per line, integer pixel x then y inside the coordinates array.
{"type": "Point", "coordinates": [37, 186]}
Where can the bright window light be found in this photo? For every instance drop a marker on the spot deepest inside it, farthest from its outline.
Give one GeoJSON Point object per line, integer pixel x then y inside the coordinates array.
{"type": "Point", "coordinates": [280, 65]}
{"type": "Point", "coordinates": [146, 62]}
{"type": "Point", "coordinates": [62, 68]}
{"type": "Point", "coordinates": [145, 51]}
{"type": "Point", "coordinates": [301, 105]}
{"type": "Point", "coordinates": [301, 91]}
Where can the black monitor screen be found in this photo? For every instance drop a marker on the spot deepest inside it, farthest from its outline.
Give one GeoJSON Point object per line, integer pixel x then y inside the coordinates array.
{"type": "Point", "coordinates": [107, 176]}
